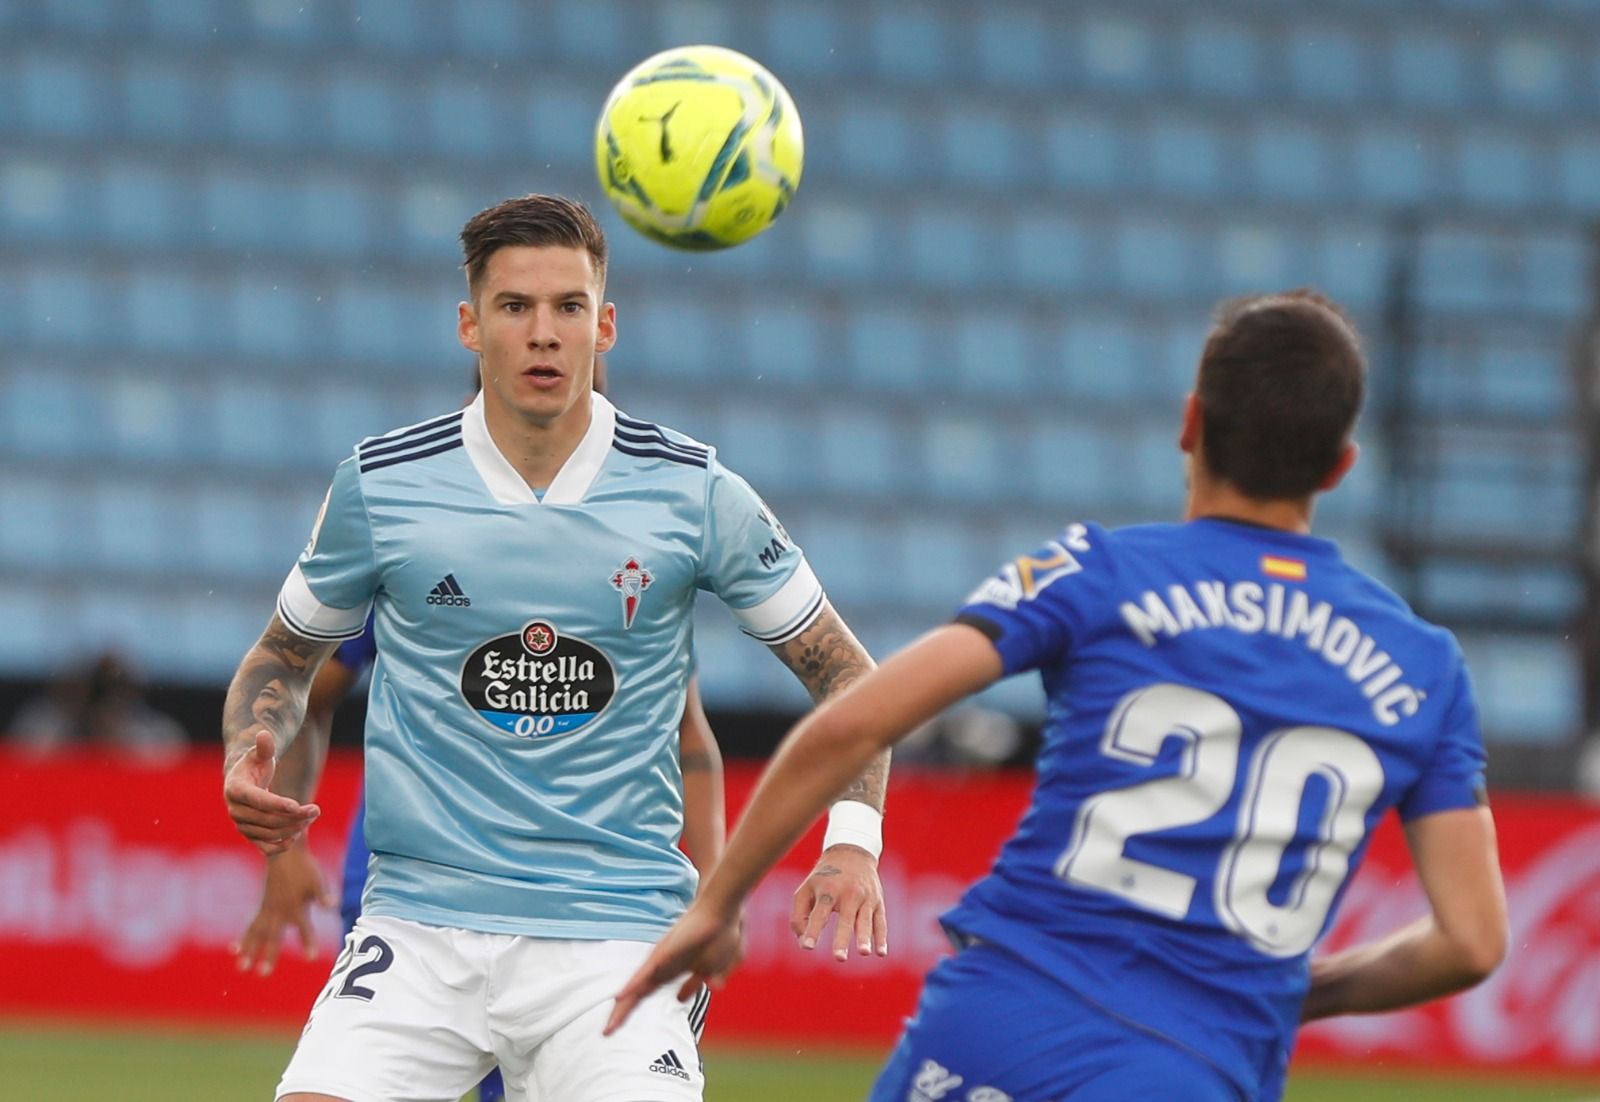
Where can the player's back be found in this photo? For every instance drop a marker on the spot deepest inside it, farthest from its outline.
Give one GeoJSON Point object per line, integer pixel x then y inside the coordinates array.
{"type": "Point", "coordinates": [1231, 711]}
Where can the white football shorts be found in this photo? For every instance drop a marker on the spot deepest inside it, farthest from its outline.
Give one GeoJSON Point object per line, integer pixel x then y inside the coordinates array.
{"type": "Point", "coordinates": [415, 1013]}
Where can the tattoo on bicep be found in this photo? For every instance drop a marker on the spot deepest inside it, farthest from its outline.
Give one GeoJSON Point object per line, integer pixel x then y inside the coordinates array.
{"type": "Point", "coordinates": [695, 761]}
{"type": "Point", "coordinates": [826, 656]}
{"type": "Point", "coordinates": [272, 685]}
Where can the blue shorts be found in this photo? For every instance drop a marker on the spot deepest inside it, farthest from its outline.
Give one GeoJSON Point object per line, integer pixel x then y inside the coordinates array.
{"type": "Point", "coordinates": [990, 1029]}
{"type": "Point", "coordinates": [355, 864]}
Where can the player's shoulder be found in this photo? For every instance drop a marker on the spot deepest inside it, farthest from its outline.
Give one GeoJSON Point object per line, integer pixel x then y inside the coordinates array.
{"type": "Point", "coordinates": [646, 440]}
{"type": "Point", "coordinates": [1424, 635]}
{"type": "Point", "coordinates": [409, 443]}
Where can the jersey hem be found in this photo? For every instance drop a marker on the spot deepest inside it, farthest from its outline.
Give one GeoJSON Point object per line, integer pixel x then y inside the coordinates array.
{"type": "Point", "coordinates": [541, 928]}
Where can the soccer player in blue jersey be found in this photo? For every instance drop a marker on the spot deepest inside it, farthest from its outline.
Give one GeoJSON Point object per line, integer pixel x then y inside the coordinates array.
{"type": "Point", "coordinates": [531, 564]}
{"type": "Point", "coordinates": [1231, 710]}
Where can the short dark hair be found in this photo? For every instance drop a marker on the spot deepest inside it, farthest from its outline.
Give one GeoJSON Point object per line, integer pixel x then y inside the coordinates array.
{"type": "Point", "coordinates": [1280, 386]}
{"type": "Point", "coordinates": [537, 220]}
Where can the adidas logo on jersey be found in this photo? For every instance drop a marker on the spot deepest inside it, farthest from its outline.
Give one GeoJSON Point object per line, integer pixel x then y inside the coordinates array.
{"type": "Point", "coordinates": [669, 1064]}
{"type": "Point", "coordinates": [448, 592]}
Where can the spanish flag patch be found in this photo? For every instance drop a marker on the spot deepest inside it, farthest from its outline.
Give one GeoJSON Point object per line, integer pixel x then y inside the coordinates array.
{"type": "Point", "coordinates": [1277, 567]}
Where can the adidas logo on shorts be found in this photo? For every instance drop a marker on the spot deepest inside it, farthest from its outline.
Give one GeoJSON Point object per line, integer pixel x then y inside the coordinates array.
{"type": "Point", "coordinates": [669, 1064]}
{"type": "Point", "coordinates": [448, 592]}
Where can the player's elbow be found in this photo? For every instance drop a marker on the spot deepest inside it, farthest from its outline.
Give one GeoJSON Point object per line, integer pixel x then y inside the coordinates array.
{"type": "Point", "coordinates": [1480, 950]}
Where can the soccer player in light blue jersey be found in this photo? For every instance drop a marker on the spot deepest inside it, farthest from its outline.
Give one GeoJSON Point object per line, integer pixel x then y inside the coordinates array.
{"type": "Point", "coordinates": [531, 564]}
{"type": "Point", "coordinates": [1231, 710]}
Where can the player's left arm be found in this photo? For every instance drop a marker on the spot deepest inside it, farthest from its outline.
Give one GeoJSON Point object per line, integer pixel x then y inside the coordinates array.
{"type": "Point", "coordinates": [828, 659]}
{"type": "Point", "coordinates": [705, 823]}
{"type": "Point", "coordinates": [1457, 945]}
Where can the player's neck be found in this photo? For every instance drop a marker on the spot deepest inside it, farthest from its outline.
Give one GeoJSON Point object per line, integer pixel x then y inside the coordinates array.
{"type": "Point", "coordinates": [1210, 498]}
{"type": "Point", "coordinates": [537, 450]}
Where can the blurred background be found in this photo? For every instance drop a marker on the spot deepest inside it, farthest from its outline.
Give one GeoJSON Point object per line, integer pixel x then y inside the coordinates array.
{"type": "Point", "coordinates": [228, 252]}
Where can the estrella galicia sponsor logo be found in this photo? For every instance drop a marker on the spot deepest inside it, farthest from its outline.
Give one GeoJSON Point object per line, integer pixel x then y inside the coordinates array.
{"type": "Point", "coordinates": [538, 682]}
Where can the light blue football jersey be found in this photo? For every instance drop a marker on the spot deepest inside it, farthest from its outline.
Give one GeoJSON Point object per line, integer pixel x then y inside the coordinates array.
{"type": "Point", "coordinates": [1231, 710]}
{"type": "Point", "coordinates": [533, 654]}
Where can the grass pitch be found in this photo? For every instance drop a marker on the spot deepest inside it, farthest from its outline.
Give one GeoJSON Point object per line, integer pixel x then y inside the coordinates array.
{"type": "Point", "coordinates": [82, 1063]}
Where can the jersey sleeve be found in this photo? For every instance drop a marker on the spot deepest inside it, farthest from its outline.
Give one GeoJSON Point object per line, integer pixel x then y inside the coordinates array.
{"type": "Point", "coordinates": [1034, 605]}
{"type": "Point", "coordinates": [749, 561]}
{"type": "Point", "coordinates": [359, 653]}
{"type": "Point", "coordinates": [1454, 779]}
{"type": "Point", "coordinates": [329, 592]}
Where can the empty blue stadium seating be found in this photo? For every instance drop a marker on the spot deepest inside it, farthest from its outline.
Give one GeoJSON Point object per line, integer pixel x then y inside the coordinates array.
{"type": "Point", "coordinates": [234, 250]}
{"type": "Point", "coordinates": [1222, 57]}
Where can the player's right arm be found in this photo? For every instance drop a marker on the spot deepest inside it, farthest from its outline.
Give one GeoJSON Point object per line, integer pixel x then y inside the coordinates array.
{"type": "Point", "coordinates": [324, 600]}
{"type": "Point", "coordinates": [1457, 945]}
{"type": "Point", "coordinates": [1451, 835]}
{"type": "Point", "coordinates": [265, 707]}
{"type": "Point", "coordinates": [293, 881]}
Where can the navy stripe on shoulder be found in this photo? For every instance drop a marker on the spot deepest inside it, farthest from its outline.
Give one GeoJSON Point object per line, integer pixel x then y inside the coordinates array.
{"type": "Point", "coordinates": [644, 431]}
{"type": "Point", "coordinates": [645, 441]}
{"type": "Point", "coordinates": [658, 453]}
{"type": "Point", "coordinates": [449, 445]}
{"type": "Point", "coordinates": [415, 442]}
{"type": "Point", "coordinates": [410, 431]}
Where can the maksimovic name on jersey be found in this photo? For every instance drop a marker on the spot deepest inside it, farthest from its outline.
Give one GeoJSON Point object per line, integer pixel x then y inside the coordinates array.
{"type": "Point", "coordinates": [1251, 608]}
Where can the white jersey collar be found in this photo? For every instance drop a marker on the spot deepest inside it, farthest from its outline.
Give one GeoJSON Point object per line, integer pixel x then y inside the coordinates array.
{"type": "Point", "coordinates": [577, 474]}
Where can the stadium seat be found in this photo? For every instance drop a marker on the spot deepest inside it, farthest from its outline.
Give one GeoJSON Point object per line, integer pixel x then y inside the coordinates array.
{"type": "Point", "coordinates": [877, 141]}
{"type": "Point", "coordinates": [1085, 152]}
{"type": "Point", "coordinates": [1188, 158]}
{"type": "Point", "coordinates": [1068, 464]}
{"type": "Point", "coordinates": [62, 96]}
{"type": "Point", "coordinates": [761, 441]}
{"type": "Point", "coordinates": [166, 310]}
{"type": "Point", "coordinates": [269, 108]}
{"type": "Point", "coordinates": [889, 348]}
{"type": "Point", "coordinates": [396, 26]}
{"type": "Point", "coordinates": [1116, 51]}
{"type": "Point", "coordinates": [366, 113]}
{"type": "Point", "coordinates": [1579, 174]}
{"type": "Point", "coordinates": [465, 117]}
{"type": "Point", "coordinates": [271, 318]}
{"type": "Point", "coordinates": [949, 247]}
{"type": "Point", "coordinates": [1497, 170]}
{"type": "Point", "coordinates": [143, 205]}
{"type": "Point", "coordinates": [783, 344]}
{"type": "Point", "coordinates": [1293, 162]}
{"type": "Point", "coordinates": [1051, 251]}
{"type": "Point", "coordinates": [1429, 69]}
{"type": "Point", "coordinates": [41, 199]}
{"type": "Point", "coordinates": [1328, 64]}
{"type": "Point", "coordinates": [1530, 72]}
{"type": "Point", "coordinates": [960, 459]}
{"type": "Point", "coordinates": [191, 21]}
{"type": "Point", "coordinates": [1100, 356]}
{"type": "Point", "coordinates": [907, 43]}
{"type": "Point", "coordinates": [1153, 256]}
{"type": "Point", "coordinates": [993, 353]}
{"type": "Point", "coordinates": [1222, 58]}
{"type": "Point", "coordinates": [980, 148]}
{"type": "Point", "coordinates": [859, 453]}
{"type": "Point", "coordinates": [1395, 165]}
{"type": "Point", "coordinates": [803, 40]}
{"type": "Point", "coordinates": [1014, 50]}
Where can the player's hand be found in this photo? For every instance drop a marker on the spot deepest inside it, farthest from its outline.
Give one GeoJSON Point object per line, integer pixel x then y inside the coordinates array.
{"type": "Point", "coordinates": [845, 880]}
{"type": "Point", "coordinates": [702, 944]}
{"type": "Point", "coordinates": [269, 820]}
{"type": "Point", "coordinates": [293, 885]}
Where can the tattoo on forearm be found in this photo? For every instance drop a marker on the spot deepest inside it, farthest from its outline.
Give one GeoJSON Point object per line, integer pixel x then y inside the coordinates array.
{"type": "Point", "coordinates": [827, 658]}
{"type": "Point", "coordinates": [271, 687]}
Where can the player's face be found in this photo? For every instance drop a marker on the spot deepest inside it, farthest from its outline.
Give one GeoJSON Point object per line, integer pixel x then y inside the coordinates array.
{"type": "Point", "coordinates": [537, 322]}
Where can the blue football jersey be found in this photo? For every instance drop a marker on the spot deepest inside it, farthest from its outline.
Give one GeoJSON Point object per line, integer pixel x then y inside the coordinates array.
{"type": "Point", "coordinates": [1231, 710]}
{"type": "Point", "coordinates": [532, 657]}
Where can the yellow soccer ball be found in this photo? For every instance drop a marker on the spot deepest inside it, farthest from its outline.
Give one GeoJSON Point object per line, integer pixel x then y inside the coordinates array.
{"type": "Point", "coordinates": [699, 147]}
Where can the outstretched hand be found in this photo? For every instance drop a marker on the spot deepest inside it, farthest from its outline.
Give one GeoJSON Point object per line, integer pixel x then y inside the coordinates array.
{"type": "Point", "coordinates": [293, 886]}
{"type": "Point", "coordinates": [845, 880]}
{"type": "Point", "coordinates": [269, 820]}
{"type": "Point", "coordinates": [701, 947]}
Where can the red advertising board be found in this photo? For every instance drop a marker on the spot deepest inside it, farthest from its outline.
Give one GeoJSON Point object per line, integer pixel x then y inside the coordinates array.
{"type": "Point", "coordinates": [122, 889]}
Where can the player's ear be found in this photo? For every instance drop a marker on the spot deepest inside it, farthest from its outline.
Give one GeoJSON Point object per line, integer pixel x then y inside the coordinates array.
{"type": "Point", "coordinates": [467, 327]}
{"type": "Point", "coordinates": [1347, 459]}
{"type": "Point", "coordinates": [607, 338]}
{"type": "Point", "coordinates": [1189, 433]}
